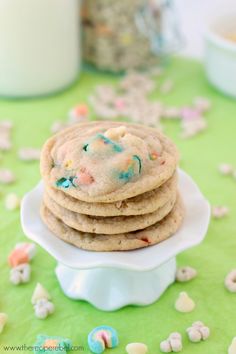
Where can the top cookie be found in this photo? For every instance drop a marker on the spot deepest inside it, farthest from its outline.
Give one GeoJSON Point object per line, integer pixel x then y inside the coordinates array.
{"type": "Point", "coordinates": [107, 161]}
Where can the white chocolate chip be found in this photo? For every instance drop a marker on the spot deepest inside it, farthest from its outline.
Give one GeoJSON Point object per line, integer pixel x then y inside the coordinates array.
{"type": "Point", "coordinates": [198, 332]}
{"type": "Point", "coordinates": [12, 201]}
{"type": "Point", "coordinates": [172, 344]}
{"type": "Point", "coordinates": [232, 347]}
{"type": "Point", "coordinates": [20, 274]}
{"type": "Point", "coordinates": [39, 293]}
{"type": "Point", "coordinates": [230, 281]}
{"type": "Point", "coordinates": [184, 303]}
{"type": "Point", "coordinates": [6, 176]}
{"type": "Point", "coordinates": [116, 133]}
{"type": "Point", "coordinates": [136, 348]}
{"type": "Point", "coordinates": [29, 154]}
{"type": "Point", "coordinates": [185, 274]}
{"type": "Point", "coordinates": [3, 321]}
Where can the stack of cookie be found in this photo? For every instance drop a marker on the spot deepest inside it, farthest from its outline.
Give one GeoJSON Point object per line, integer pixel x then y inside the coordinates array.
{"type": "Point", "coordinates": [110, 186]}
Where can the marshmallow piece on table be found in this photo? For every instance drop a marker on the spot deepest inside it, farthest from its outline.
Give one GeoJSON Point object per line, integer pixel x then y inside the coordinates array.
{"type": "Point", "coordinates": [3, 320]}
{"type": "Point", "coordinates": [102, 337]}
{"type": "Point", "coordinates": [185, 274]}
{"type": "Point", "coordinates": [202, 104]}
{"type": "Point", "coordinates": [78, 114]}
{"type": "Point", "coordinates": [167, 86]}
{"type": "Point", "coordinates": [5, 129]}
{"type": "Point", "coordinates": [22, 253]}
{"type": "Point", "coordinates": [40, 300]}
{"type": "Point", "coordinates": [12, 201]}
{"type": "Point", "coordinates": [136, 348]}
{"type": "Point", "coordinates": [232, 347]}
{"type": "Point", "coordinates": [39, 293]}
{"type": "Point", "coordinates": [30, 248]}
{"type": "Point", "coordinates": [230, 281]}
{"type": "Point", "coordinates": [20, 274]}
{"type": "Point", "coordinates": [52, 344]}
{"type": "Point", "coordinates": [198, 332]}
{"type": "Point", "coordinates": [184, 303]}
{"type": "Point", "coordinates": [58, 126]}
{"type": "Point", "coordinates": [6, 176]}
{"type": "Point", "coordinates": [225, 169]}
{"type": "Point", "coordinates": [29, 154]}
{"type": "Point", "coordinates": [172, 344]}
{"type": "Point", "coordinates": [219, 212]}
{"type": "Point", "coordinates": [43, 308]}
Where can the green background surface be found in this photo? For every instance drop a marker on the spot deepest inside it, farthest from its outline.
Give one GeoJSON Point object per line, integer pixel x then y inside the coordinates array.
{"type": "Point", "coordinates": [213, 259]}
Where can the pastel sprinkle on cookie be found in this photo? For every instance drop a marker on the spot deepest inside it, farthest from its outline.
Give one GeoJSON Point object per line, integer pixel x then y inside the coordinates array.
{"type": "Point", "coordinates": [52, 344]}
{"type": "Point", "coordinates": [230, 281]}
{"type": "Point", "coordinates": [184, 303]}
{"type": "Point", "coordinates": [153, 156]}
{"type": "Point", "coordinates": [136, 348]}
{"type": "Point", "coordinates": [102, 337]}
{"type": "Point", "coordinates": [3, 321]}
{"type": "Point", "coordinates": [66, 182]}
{"type": "Point", "coordinates": [232, 347]}
{"type": "Point", "coordinates": [68, 164]}
{"type": "Point", "coordinates": [172, 344]}
{"type": "Point", "coordinates": [198, 332]}
{"type": "Point", "coordinates": [84, 177]}
{"type": "Point", "coordinates": [185, 274]}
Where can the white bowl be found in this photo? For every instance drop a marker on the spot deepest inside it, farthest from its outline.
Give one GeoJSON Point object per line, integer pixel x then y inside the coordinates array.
{"type": "Point", "coordinates": [220, 54]}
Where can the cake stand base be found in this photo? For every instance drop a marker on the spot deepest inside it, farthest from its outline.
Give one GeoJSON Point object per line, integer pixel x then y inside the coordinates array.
{"type": "Point", "coordinates": [109, 289]}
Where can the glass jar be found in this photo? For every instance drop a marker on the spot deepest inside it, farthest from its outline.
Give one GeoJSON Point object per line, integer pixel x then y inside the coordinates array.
{"type": "Point", "coordinates": [119, 35]}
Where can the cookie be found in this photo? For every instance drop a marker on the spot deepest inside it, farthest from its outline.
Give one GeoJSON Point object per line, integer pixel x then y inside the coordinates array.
{"type": "Point", "coordinates": [107, 225]}
{"type": "Point", "coordinates": [142, 204]}
{"type": "Point", "coordinates": [120, 242]}
{"type": "Point", "coordinates": [107, 161]}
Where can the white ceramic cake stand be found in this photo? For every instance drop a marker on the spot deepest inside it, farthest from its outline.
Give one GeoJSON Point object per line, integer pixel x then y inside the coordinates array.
{"type": "Point", "coordinates": [111, 280]}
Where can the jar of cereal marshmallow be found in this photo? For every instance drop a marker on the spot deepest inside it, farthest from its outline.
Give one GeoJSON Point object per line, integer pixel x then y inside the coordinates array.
{"type": "Point", "coordinates": [122, 35]}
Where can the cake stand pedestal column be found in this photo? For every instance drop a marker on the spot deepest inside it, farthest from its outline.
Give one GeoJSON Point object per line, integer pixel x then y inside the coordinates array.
{"type": "Point", "coordinates": [110, 288]}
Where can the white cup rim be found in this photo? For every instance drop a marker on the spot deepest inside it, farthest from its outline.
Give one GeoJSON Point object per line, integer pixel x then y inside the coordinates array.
{"type": "Point", "coordinates": [213, 36]}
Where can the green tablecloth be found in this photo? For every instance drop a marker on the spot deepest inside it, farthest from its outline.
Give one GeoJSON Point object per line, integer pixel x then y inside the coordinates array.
{"type": "Point", "coordinates": [213, 258]}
